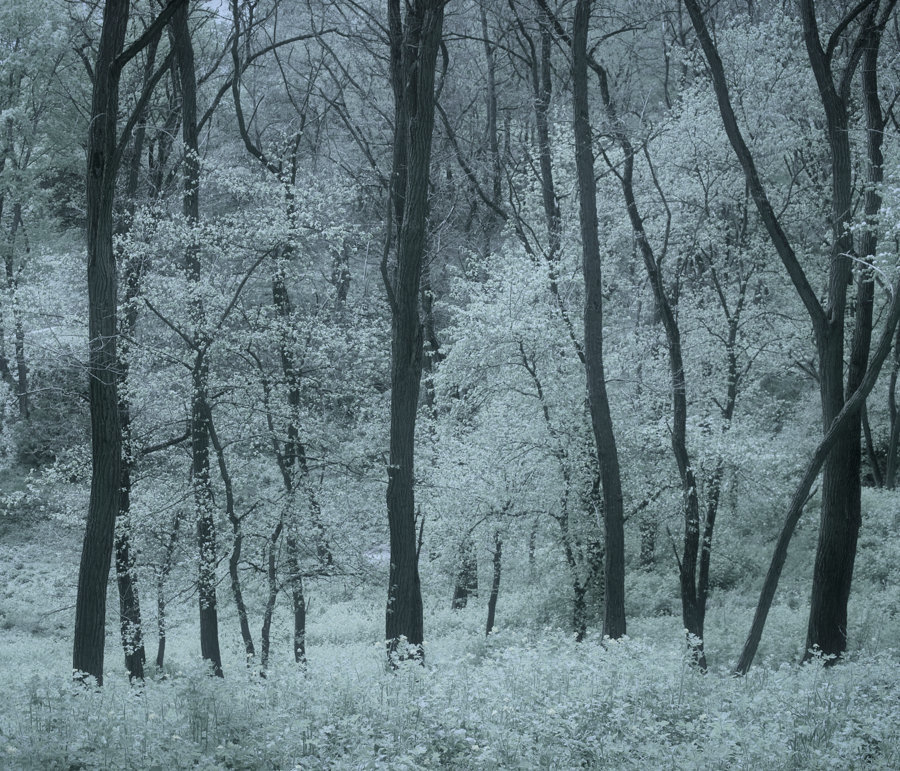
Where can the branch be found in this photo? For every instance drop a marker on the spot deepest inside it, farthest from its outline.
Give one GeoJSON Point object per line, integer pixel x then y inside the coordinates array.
{"type": "Point", "coordinates": [164, 445]}
{"type": "Point", "coordinates": [153, 31]}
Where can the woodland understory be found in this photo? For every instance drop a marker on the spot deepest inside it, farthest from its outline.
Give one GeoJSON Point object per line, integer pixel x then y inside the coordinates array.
{"type": "Point", "coordinates": [460, 383]}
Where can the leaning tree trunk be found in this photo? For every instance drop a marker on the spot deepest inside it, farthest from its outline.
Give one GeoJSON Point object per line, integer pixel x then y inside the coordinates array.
{"type": "Point", "coordinates": [601, 419]}
{"type": "Point", "coordinates": [414, 45]}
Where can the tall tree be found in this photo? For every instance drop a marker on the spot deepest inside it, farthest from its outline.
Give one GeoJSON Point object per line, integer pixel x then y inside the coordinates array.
{"type": "Point", "coordinates": [840, 516]}
{"type": "Point", "coordinates": [104, 153]}
{"type": "Point", "coordinates": [201, 412]}
{"type": "Point", "coordinates": [601, 420]}
{"type": "Point", "coordinates": [415, 38]}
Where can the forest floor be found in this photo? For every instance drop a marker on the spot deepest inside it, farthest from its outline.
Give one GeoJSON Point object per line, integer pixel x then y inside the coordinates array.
{"type": "Point", "coordinates": [526, 697]}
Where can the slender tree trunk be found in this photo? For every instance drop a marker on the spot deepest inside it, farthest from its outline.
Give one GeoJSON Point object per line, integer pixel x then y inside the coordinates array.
{"type": "Point", "coordinates": [201, 414]}
{"type": "Point", "coordinates": [272, 581]}
{"type": "Point", "coordinates": [162, 576]}
{"type": "Point", "coordinates": [414, 43]}
{"type": "Point", "coordinates": [298, 600]}
{"type": "Point", "coordinates": [126, 578]}
{"type": "Point", "coordinates": [12, 286]}
{"type": "Point", "coordinates": [495, 583]}
{"type": "Point", "coordinates": [466, 583]}
{"type": "Point", "coordinates": [129, 605]}
{"type": "Point", "coordinates": [840, 512]}
{"type": "Point", "coordinates": [601, 419]}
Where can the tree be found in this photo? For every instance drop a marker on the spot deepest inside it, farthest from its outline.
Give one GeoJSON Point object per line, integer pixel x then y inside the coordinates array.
{"type": "Point", "coordinates": [414, 42]}
{"type": "Point", "coordinates": [601, 419]}
{"type": "Point", "coordinates": [104, 153]}
{"type": "Point", "coordinates": [840, 517]}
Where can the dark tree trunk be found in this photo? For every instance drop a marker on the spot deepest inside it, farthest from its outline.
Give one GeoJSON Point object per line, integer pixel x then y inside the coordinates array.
{"type": "Point", "coordinates": [841, 513]}
{"type": "Point", "coordinates": [647, 529]}
{"type": "Point", "coordinates": [103, 158]}
{"type": "Point", "coordinates": [201, 414]}
{"type": "Point", "coordinates": [93, 575]}
{"type": "Point", "coordinates": [601, 420]}
{"type": "Point", "coordinates": [272, 582]}
{"type": "Point", "coordinates": [495, 583]}
{"type": "Point", "coordinates": [233, 563]}
{"type": "Point", "coordinates": [162, 576]}
{"type": "Point", "coordinates": [129, 605]}
{"type": "Point", "coordinates": [414, 43]}
{"type": "Point", "coordinates": [298, 600]}
{"type": "Point", "coordinates": [237, 543]}
{"type": "Point", "coordinates": [126, 578]}
{"type": "Point", "coordinates": [466, 584]}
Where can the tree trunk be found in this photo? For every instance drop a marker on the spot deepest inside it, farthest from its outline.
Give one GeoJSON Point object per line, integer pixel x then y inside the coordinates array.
{"type": "Point", "coordinates": [126, 578]}
{"type": "Point", "coordinates": [841, 513]}
{"type": "Point", "coordinates": [201, 414]}
{"type": "Point", "coordinates": [414, 43]}
{"type": "Point", "coordinates": [233, 563]}
{"type": "Point", "coordinates": [601, 420]}
{"type": "Point", "coordinates": [466, 583]}
{"type": "Point", "coordinates": [129, 605]}
{"type": "Point", "coordinates": [103, 157]}
{"type": "Point", "coordinates": [163, 574]}
{"type": "Point", "coordinates": [96, 554]}
{"type": "Point", "coordinates": [298, 600]}
{"type": "Point", "coordinates": [495, 583]}
{"type": "Point", "coordinates": [12, 285]}
{"type": "Point", "coordinates": [271, 578]}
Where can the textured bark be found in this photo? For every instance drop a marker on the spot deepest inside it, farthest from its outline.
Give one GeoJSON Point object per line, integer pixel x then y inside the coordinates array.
{"type": "Point", "coordinates": [414, 43]}
{"type": "Point", "coordinates": [298, 600]}
{"type": "Point", "coordinates": [90, 607]}
{"type": "Point", "coordinates": [601, 420]}
{"type": "Point", "coordinates": [129, 605]}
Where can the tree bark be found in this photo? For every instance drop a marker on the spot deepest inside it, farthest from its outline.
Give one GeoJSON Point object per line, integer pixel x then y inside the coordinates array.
{"type": "Point", "coordinates": [495, 583]}
{"type": "Point", "coordinates": [414, 43]}
{"type": "Point", "coordinates": [601, 420]}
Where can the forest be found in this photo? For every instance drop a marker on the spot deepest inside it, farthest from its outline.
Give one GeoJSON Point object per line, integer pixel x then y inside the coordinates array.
{"type": "Point", "coordinates": [473, 384]}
